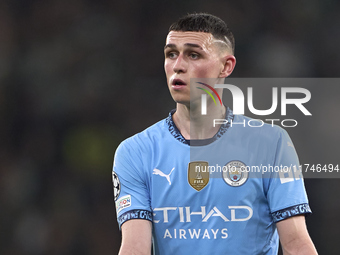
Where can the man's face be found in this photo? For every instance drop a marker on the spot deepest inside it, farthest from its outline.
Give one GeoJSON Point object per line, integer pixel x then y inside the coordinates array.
{"type": "Point", "coordinates": [190, 55]}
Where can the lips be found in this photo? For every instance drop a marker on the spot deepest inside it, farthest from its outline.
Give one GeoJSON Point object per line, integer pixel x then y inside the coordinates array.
{"type": "Point", "coordinates": [178, 82]}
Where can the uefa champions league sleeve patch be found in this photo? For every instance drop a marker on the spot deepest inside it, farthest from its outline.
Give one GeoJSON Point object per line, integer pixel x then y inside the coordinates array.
{"type": "Point", "coordinates": [235, 173]}
{"type": "Point", "coordinates": [116, 185]}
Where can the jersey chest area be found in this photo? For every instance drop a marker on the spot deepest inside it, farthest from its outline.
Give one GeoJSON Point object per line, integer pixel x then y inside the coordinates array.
{"type": "Point", "coordinates": [203, 194]}
{"type": "Point", "coordinates": [190, 205]}
{"type": "Point", "coordinates": [203, 189]}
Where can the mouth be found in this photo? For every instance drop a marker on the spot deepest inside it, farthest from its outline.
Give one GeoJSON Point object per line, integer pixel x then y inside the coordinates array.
{"type": "Point", "coordinates": [178, 83]}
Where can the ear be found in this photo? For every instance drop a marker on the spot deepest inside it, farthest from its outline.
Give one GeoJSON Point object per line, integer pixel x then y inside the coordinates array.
{"type": "Point", "coordinates": [229, 62]}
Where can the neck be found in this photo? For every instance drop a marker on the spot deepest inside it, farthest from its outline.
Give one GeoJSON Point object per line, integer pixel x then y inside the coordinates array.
{"type": "Point", "coordinates": [193, 125]}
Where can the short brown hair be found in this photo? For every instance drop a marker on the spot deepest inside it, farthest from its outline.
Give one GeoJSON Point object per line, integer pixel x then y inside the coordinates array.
{"type": "Point", "coordinates": [204, 22]}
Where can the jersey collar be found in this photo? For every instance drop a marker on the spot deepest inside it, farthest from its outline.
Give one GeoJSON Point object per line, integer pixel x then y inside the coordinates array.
{"type": "Point", "coordinates": [178, 136]}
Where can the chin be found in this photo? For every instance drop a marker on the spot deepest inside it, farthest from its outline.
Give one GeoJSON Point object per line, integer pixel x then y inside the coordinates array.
{"type": "Point", "coordinates": [181, 100]}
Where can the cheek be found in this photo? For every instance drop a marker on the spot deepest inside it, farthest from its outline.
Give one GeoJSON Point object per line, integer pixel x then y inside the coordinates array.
{"type": "Point", "coordinates": [167, 67]}
{"type": "Point", "coordinates": [206, 70]}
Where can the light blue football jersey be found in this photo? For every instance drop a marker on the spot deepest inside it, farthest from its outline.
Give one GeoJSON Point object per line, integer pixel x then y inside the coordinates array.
{"type": "Point", "coordinates": [216, 196]}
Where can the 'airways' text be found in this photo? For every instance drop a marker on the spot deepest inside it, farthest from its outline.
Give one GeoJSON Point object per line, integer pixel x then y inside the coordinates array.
{"type": "Point", "coordinates": [195, 233]}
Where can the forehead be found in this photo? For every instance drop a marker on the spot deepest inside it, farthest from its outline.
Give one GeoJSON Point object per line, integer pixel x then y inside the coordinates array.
{"type": "Point", "coordinates": [205, 40]}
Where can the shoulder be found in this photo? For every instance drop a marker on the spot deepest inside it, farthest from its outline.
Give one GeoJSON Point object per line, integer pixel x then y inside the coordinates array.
{"type": "Point", "coordinates": [135, 151]}
{"type": "Point", "coordinates": [258, 129]}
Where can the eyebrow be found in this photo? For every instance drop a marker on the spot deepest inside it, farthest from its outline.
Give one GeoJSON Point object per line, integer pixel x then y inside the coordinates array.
{"type": "Point", "coordinates": [173, 46]}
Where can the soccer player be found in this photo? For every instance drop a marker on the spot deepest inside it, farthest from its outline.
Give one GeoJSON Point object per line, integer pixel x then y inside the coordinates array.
{"type": "Point", "coordinates": [164, 193]}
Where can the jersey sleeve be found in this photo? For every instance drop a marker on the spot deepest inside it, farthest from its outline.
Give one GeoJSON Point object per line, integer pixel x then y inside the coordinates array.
{"type": "Point", "coordinates": [131, 195]}
{"type": "Point", "coordinates": [286, 193]}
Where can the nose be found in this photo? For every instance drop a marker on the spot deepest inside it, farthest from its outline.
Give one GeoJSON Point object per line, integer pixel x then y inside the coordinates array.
{"type": "Point", "coordinates": [180, 65]}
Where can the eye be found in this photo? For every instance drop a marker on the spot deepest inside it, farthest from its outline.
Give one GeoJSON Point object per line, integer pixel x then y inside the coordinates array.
{"type": "Point", "coordinates": [194, 55]}
{"type": "Point", "coordinates": [171, 55]}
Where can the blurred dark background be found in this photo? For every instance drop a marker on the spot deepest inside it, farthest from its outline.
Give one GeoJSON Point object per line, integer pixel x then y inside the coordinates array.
{"type": "Point", "coordinates": [79, 76]}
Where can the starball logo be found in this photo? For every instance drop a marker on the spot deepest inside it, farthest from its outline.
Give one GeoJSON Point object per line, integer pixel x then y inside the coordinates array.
{"type": "Point", "coordinates": [239, 103]}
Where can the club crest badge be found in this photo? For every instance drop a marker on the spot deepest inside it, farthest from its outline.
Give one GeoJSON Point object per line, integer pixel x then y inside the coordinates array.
{"type": "Point", "coordinates": [235, 173]}
{"type": "Point", "coordinates": [198, 174]}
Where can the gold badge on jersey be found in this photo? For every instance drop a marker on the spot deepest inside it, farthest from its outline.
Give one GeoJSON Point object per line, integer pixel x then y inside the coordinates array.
{"type": "Point", "coordinates": [198, 174]}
